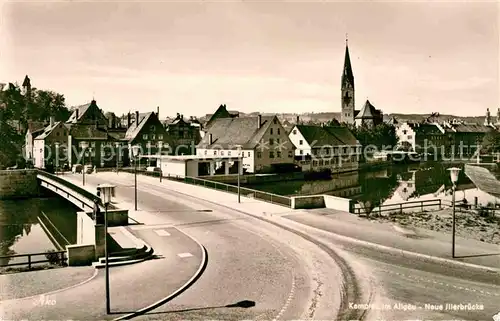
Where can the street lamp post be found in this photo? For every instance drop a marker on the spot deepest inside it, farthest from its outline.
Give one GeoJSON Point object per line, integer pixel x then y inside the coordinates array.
{"type": "Point", "coordinates": [240, 158]}
{"type": "Point", "coordinates": [454, 171]}
{"type": "Point", "coordinates": [135, 153]}
{"type": "Point", "coordinates": [117, 145]}
{"type": "Point", "coordinates": [106, 191]}
{"type": "Point", "coordinates": [84, 146]}
{"type": "Point", "coordinates": [57, 155]}
{"type": "Point", "coordinates": [160, 146]}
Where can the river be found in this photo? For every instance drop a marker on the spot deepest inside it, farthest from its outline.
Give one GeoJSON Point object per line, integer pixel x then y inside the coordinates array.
{"type": "Point", "coordinates": [391, 185]}
{"type": "Point", "coordinates": [21, 224]}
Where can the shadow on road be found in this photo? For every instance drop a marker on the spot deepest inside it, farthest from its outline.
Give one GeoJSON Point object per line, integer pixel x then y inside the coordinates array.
{"type": "Point", "coordinates": [245, 304]}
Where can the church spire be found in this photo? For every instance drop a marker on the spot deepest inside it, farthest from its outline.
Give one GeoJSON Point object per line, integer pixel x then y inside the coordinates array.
{"type": "Point", "coordinates": [347, 75]}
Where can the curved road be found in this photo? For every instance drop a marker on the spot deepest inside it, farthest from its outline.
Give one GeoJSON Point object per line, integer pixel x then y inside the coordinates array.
{"type": "Point", "coordinates": [409, 281]}
{"type": "Point", "coordinates": [248, 260]}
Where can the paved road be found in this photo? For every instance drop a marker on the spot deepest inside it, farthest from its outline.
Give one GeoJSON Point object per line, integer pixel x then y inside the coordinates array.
{"type": "Point", "coordinates": [407, 280]}
{"type": "Point", "coordinates": [248, 260]}
{"type": "Point", "coordinates": [132, 287]}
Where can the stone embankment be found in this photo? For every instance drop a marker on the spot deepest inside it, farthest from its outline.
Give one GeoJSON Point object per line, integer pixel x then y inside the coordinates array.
{"type": "Point", "coordinates": [468, 224]}
{"type": "Point", "coordinates": [20, 183]}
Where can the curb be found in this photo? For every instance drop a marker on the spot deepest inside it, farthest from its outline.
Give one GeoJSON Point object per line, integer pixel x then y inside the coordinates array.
{"type": "Point", "coordinates": [369, 244]}
{"type": "Point", "coordinates": [191, 281]}
{"type": "Point", "coordinates": [56, 291]}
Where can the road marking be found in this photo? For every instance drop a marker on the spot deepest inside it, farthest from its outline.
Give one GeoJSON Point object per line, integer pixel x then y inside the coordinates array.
{"type": "Point", "coordinates": [147, 227]}
{"type": "Point", "coordinates": [288, 301]}
{"type": "Point", "coordinates": [183, 255]}
{"type": "Point", "coordinates": [162, 233]}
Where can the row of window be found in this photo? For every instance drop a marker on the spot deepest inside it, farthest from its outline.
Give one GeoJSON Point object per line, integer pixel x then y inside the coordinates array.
{"type": "Point", "coordinates": [153, 136]}
{"type": "Point", "coordinates": [278, 132]}
{"type": "Point", "coordinates": [334, 161]}
{"type": "Point", "coordinates": [331, 151]}
{"type": "Point", "coordinates": [228, 153]}
{"type": "Point", "coordinates": [272, 154]}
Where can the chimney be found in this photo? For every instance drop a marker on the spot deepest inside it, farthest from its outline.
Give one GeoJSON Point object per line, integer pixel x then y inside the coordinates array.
{"type": "Point", "coordinates": [210, 141]}
{"type": "Point", "coordinates": [129, 120]}
{"type": "Point", "coordinates": [259, 121]}
{"type": "Point", "coordinates": [76, 110]}
{"type": "Point", "coordinates": [136, 118]}
{"type": "Point", "coordinates": [52, 121]}
{"type": "Point", "coordinates": [110, 121]}
{"type": "Point", "coordinates": [297, 120]}
{"type": "Point", "coordinates": [158, 112]}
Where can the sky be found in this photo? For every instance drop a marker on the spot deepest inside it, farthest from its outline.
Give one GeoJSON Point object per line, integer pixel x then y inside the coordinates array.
{"type": "Point", "coordinates": [268, 56]}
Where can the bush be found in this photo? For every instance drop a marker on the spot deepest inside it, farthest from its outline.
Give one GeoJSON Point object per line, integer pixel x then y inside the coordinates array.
{"type": "Point", "coordinates": [53, 257]}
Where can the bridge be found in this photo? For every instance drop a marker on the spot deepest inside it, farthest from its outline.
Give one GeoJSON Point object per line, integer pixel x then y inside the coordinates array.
{"type": "Point", "coordinates": [80, 197]}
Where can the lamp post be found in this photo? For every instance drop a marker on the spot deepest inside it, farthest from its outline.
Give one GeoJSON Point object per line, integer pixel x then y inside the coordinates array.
{"type": "Point", "coordinates": [106, 191]}
{"type": "Point", "coordinates": [160, 146]}
{"type": "Point", "coordinates": [117, 145]}
{"type": "Point", "coordinates": [135, 153]}
{"type": "Point", "coordinates": [84, 146]}
{"type": "Point", "coordinates": [454, 171]}
{"type": "Point", "coordinates": [240, 158]}
{"type": "Point", "coordinates": [57, 155]}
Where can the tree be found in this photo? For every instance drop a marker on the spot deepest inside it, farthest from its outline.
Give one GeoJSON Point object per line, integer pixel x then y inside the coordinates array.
{"type": "Point", "coordinates": [382, 135]}
{"type": "Point", "coordinates": [491, 142]}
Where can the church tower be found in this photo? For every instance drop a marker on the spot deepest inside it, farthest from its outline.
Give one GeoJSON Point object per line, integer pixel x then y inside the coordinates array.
{"type": "Point", "coordinates": [347, 90]}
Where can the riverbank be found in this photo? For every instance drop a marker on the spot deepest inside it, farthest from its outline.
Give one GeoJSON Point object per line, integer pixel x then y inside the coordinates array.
{"type": "Point", "coordinates": [468, 224]}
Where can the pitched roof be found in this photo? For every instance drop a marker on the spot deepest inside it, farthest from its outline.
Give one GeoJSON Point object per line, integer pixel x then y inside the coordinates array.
{"type": "Point", "coordinates": [135, 129]}
{"type": "Point", "coordinates": [46, 131]}
{"type": "Point", "coordinates": [229, 132]}
{"type": "Point", "coordinates": [83, 131]}
{"type": "Point", "coordinates": [471, 128]}
{"type": "Point", "coordinates": [82, 109]}
{"type": "Point", "coordinates": [426, 129]}
{"type": "Point", "coordinates": [347, 75]}
{"type": "Point", "coordinates": [221, 112]}
{"type": "Point", "coordinates": [327, 135]}
{"type": "Point", "coordinates": [368, 111]}
{"type": "Point", "coordinates": [26, 81]}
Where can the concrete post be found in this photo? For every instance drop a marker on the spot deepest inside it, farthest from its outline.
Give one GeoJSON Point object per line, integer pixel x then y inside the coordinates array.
{"type": "Point", "coordinates": [212, 168]}
{"type": "Point", "coordinates": [226, 167]}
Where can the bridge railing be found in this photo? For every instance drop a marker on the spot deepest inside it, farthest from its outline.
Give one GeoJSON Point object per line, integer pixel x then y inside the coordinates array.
{"type": "Point", "coordinates": [58, 257]}
{"type": "Point", "coordinates": [246, 192]}
{"type": "Point", "coordinates": [86, 198]}
{"type": "Point", "coordinates": [400, 207]}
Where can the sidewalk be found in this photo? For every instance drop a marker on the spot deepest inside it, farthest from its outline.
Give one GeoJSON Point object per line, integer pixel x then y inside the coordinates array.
{"type": "Point", "coordinates": [433, 244]}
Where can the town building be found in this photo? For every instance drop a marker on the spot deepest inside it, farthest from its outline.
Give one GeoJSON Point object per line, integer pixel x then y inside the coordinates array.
{"type": "Point", "coordinates": [48, 146]}
{"type": "Point", "coordinates": [325, 147]}
{"type": "Point", "coordinates": [368, 115]}
{"type": "Point", "coordinates": [261, 141]}
{"type": "Point", "coordinates": [221, 112]}
{"type": "Point", "coordinates": [148, 133]}
{"type": "Point", "coordinates": [184, 134]}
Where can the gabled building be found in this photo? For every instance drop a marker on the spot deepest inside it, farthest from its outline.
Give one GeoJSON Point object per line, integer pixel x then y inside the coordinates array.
{"type": "Point", "coordinates": [261, 141]}
{"type": "Point", "coordinates": [368, 116]}
{"type": "Point", "coordinates": [49, 145]}
{"type": "Point", "coordinates": [34, 130]}
{"type": "Point", "coordinates": [221, 112]}
{"type": "Point", "coordinates": [147, 132]}
{"type": "Point", "coordinates": [325, 147]}
{"type": "Point", "coordinates": [184, 133]}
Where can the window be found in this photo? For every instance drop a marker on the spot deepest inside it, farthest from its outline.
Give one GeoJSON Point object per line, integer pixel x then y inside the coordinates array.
{"type": "Point", "coordinates": [271, 131]}
{"type": "Point", "coordinates": [277, 140]}
{"type": "Point", "coordinates": [404, 131]}
{"type": "Point", "coordinates": [315, 163]}
{"type": "Point", "coordinates": [290, 154]}
{"type": "Point", "coordinates": [215, 152]}
{"type": "Point", "coordinates": [321, 163]}
{"type": "Point", "coordinates": [344, 150]}
{"type": "Point", "coordinates": [301, 142]}
{"type": "Point", "coordinates": [278, 154]}
{"type": "Point", "coordinates": [271, 141]}
{"type": "Point", "coordinates": [275, 121]}
{"type": "Point", "coordinates": [327, 162]}
{"type": "Point", "coordinates": [229, 153]}
{"type": "Point", "coordinates": [259, 154]}
{"type": "Point", "coordinates": [248, 154]}
{"type": "Point", "coordinates": [295, 132]}
{"type": "Point", "coordinates": [145, 136]}
{"type": "Point", "coordinates": [153, 137]}
{"type": "Point", "coordinates": [160, 136]}
{"type": "Point", "coordinates": [301, 152]}
{"type": "Point", "coordinates": [222, 153]}
{"type": "Point", "coordinates": [271, 154]}
{"type": "Point", "coordinates": [152, 128]}
{"type": "Point", "coordinates": [409, 137]}
{"type": "Point", "coordinates": [205, 152]}
{"type": "Point", "coordinates": [278, 131]}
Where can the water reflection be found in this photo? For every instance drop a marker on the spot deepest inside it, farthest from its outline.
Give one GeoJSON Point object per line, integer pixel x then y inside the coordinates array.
{"type": "Point", "coordinates": [397, 184]}
{"type": "Point", "coordinates": [21, 229]}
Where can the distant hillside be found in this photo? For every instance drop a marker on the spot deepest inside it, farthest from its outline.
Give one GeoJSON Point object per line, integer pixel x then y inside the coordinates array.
{"type": "Point", "coordinates": [324, 117]}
